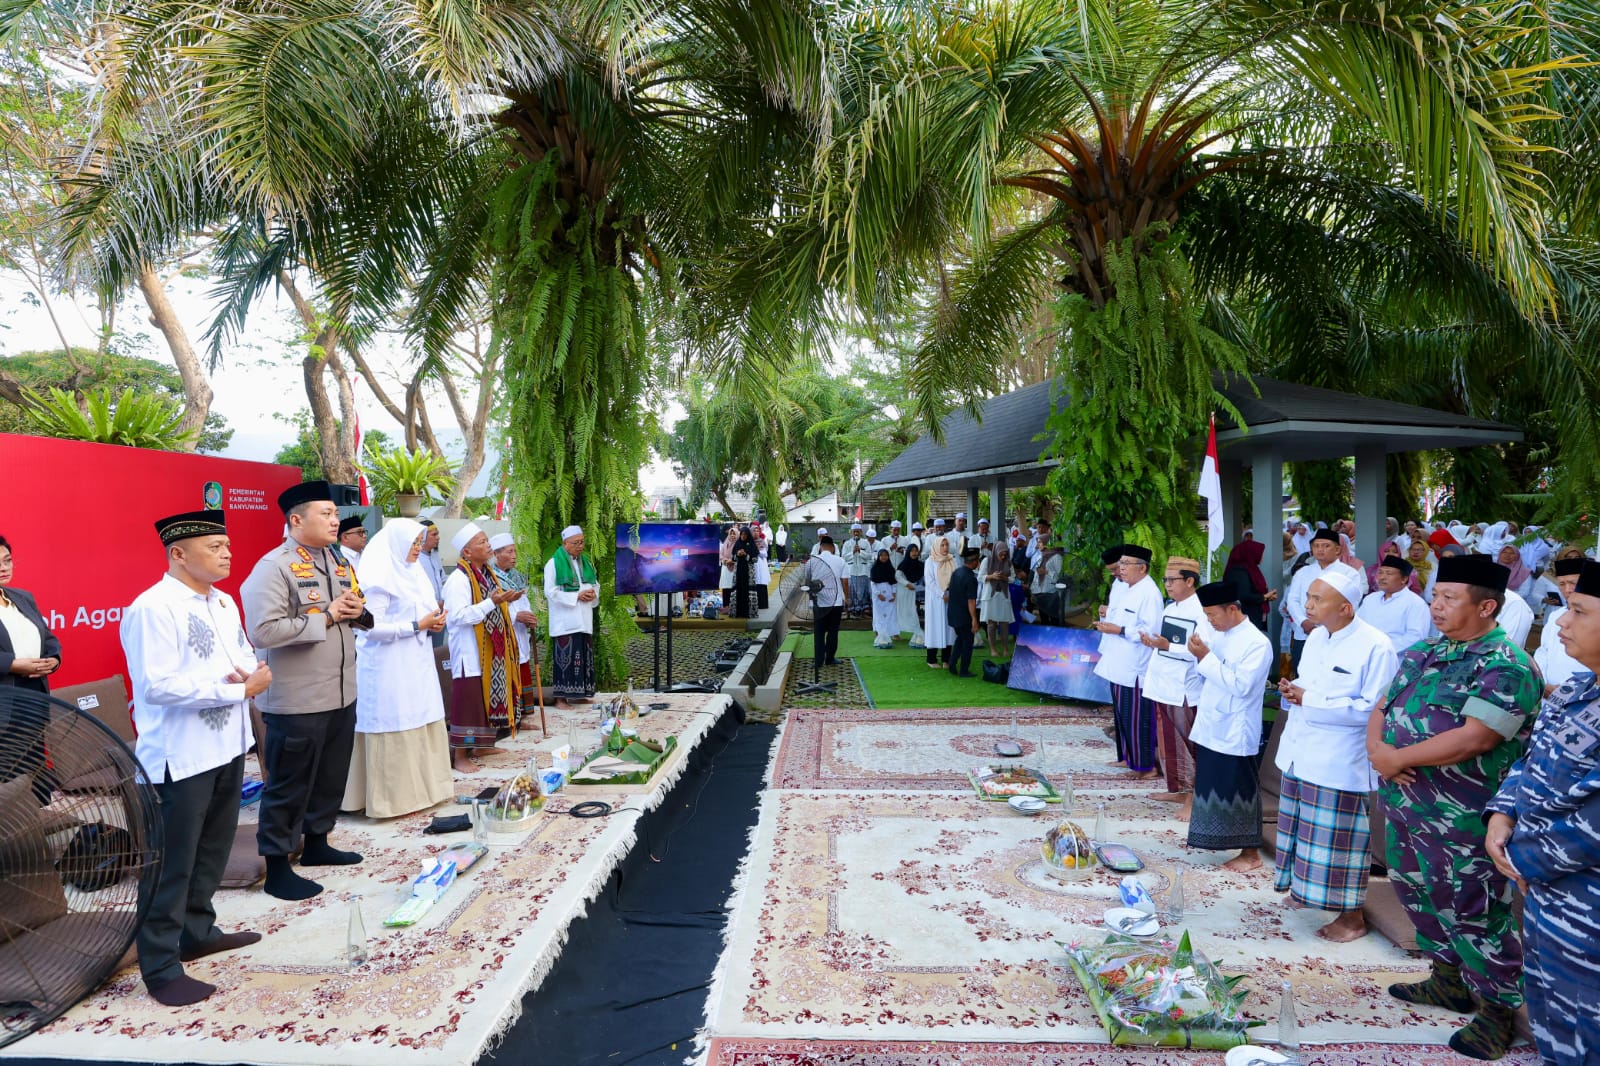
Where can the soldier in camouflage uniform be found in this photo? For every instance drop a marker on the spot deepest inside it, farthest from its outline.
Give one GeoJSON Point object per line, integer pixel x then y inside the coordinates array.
{"type": "Point", "coordinates": [1455, 719]}
{"type": "Point", "coordinates": [1544, 831]}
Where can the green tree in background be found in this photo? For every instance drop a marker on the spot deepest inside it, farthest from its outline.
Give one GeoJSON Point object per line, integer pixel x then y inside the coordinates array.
{"type": "Point", "coordinates": [1323, 487]}
{"type": "Point", "coordinates": [88, 370]}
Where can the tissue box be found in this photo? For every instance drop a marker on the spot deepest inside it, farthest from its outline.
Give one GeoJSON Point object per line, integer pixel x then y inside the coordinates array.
{"type": "Point", "coordinates": [434, 880]}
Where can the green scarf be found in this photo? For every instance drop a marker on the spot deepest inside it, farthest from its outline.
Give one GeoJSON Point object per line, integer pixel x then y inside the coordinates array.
{"type": "Point", "coordinates": [566, 580]}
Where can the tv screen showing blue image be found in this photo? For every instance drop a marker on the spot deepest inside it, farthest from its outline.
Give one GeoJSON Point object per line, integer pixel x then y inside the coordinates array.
{"type": "Point", "coordinates": [1058, 661]}
{"type": "Point", "coordinates": [668, 557]}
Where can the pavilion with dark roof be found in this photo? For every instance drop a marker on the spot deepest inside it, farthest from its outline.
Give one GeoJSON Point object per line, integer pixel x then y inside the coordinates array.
{"type": "Point", "coordinates": [1283, 422]}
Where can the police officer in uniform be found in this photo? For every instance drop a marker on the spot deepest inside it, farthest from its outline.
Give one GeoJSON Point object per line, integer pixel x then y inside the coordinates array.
{"type": "Point", "coordinates": [303, 606]}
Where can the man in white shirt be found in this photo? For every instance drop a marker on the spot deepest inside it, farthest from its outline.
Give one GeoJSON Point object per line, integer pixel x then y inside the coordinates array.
{"type": "Point", "coordinates": [982, 540]}
{"type": "Point", "coordinates": [857, 557]}
{"type": "Point", "coordinates": [1401, 614]}
{"type": "Point", "coordinates": [1172, 681]}
{"type": "Point", "coordinates": [193, 673]}
{"type": "Point", "coordinates": [571, 594]}
{"type": "Point", "coordinates": [829, 576]}
{"type": "Point", "coordinates": [1516, 618]}
{"type": "Point", "coordinates": [352, 538]}
{"type": "Point", "coordinates": [938, 532]}
{"type": "Point", "coordinates": [486, 685]}
{"type": "Point", "coordinates": [1227, 730]}
{"type": "Point", "coordinates": [1324, 833]}
{"type": "Point", "coordinates": [895, 543]}
{"type": "Point", "coordinates": [958, 536]}
{"type": "Point", "coordinates": [1324, 553]}
{"type": "Point", "coordinates": [1124, 658]}
{"type": "Point", "coordinates": [921, 541]}
{"type": "Point", "coordinates": [1555, 665]}
{"type": "Point", "coordinates": [503, 559]}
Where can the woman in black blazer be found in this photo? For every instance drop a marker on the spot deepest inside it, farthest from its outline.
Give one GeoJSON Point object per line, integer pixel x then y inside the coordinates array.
{"type": "Point", "coordinates": [24, 712]}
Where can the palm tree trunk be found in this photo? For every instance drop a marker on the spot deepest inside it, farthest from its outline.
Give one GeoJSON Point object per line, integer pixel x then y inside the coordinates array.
{"type": "Point", "coordinates": [197, 393]}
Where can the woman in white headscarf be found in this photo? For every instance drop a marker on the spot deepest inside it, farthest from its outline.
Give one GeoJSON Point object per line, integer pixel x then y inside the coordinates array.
{"type": "Point", "coordinates": [401, 759]}
{"type": "Point", "coordinates": [1494, 538]}
{"type": "Point", "coordinates": [937, 636]}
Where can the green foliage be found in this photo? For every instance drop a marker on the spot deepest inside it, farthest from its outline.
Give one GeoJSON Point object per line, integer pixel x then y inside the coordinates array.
{"type": "Point", "coordinates": [393, 472]}
{"type": "Point", "coordinates": [1323, 487]}
{"type": "Point", "coordinates": [92, 370]}
{"type": "Point", "coordinates": [573, 327]}
{"type": "Point", "coordinates": [306, 452]}
{"type": "Point", "coordinates": [135, 420]}
{"type": "Point", "coordinates": [1136, 395]}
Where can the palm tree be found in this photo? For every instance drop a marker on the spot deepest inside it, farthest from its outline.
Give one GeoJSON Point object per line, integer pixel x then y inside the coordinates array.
{"type": "Point", "coordinates": [1081, 156]}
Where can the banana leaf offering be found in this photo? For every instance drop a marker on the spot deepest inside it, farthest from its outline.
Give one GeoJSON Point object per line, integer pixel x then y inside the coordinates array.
{"type": "Point", "coordinates": [1160, 994]}
{"type": "Point", "coordinates": [635, 764]}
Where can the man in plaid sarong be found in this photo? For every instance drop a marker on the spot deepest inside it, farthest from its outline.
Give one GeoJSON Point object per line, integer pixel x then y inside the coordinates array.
{"type": "Point", "coordinates": [1323, 829]}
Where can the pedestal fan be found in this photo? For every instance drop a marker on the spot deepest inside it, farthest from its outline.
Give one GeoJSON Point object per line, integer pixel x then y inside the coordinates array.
{"type": "Point", "coordinates": [803, 586]}
{"type": "Point", "coordinates": [80, 834]}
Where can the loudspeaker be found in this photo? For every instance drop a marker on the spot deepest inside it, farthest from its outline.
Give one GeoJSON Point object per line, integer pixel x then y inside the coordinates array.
{"type": "Point", "coordinates": [347, 495]}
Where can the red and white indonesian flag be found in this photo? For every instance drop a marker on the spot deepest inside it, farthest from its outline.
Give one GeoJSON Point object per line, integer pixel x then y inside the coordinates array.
{"type": "Point", "coordinates": [361, 457]}
{"type": "Point", "coordinates": [1211, 490]}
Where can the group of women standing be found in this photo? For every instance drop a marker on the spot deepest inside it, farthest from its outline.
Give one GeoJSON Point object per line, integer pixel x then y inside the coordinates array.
{"type": "Point", "coordinates": [908, 597]}
{"type": "Point", "coordinates": [746, 574]}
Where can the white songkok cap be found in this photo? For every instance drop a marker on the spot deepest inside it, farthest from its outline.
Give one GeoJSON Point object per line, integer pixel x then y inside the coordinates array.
{"type": "Point", "coordinates": [983, 521]}
{"type": "Point", "coordinates": [822, 531]}
{"type": "Point", "coordinates": [500, 540]}
{"type": "Point", "coordinates": [916, 525]}
{"type": "Point", "coordinates": [938, 521]}
{"type": "Point", "coordinates": [961, 514]}
{"type": "Point", "coordinates": [872, 531]}
{"type": "Point", "coordinates": [570, 532]}
{"type": "Point", "coordinates": [464, 534]}
{"type": "Point", "coordinates": [1346, 581]}
{"type": "Point", "coordinates": [855, 525]}
{"type": "Point", "coordinates": [895, 524]}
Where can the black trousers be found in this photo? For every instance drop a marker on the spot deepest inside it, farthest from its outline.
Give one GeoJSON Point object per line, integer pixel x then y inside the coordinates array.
{"type": "Point", "coordinates": [199, 816]}
{"type": "Point", "coordinates": [306, 761]}
{"type": "Point", "coordinates": [24, 714]}
{"type": "Point", "coordinates": [961, 651]}
{"type": "Point", "coordinates": [825, 637]}
{"type": "Point", "coordinates": [938, 655]}
{"type": "Point", "coordinates": [1296, 649]}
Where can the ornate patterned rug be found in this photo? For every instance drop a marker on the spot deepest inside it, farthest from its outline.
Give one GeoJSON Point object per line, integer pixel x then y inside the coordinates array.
{"type": "Point", "coordinates": [934, 749]}
{"type": "Point", "coordinates": [737, 1051]}
{"type": "Point", "coordinates": [437, 992]}
{"type": "Point", "coordinates": [916, 916]}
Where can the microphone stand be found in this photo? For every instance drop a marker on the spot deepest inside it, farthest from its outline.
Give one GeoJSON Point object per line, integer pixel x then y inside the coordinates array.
{"type": "Point", "coordinates": [814, 589]}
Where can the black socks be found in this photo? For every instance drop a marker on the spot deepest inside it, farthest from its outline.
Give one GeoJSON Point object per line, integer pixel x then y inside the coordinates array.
{"type": "Point", "coordinates": [318, 852]}
{"type": "Point", "coordinates": [284, 883]}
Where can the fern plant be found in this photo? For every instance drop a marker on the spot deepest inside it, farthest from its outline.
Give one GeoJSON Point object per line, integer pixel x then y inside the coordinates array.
{"type": "Point", "coordinates": [135, 420]}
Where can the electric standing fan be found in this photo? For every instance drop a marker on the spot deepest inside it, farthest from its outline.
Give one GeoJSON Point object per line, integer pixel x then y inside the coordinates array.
{"type": "Point", "coordinates": [80, 836]}
{"type": "Point", "coordinates": [802, 588]}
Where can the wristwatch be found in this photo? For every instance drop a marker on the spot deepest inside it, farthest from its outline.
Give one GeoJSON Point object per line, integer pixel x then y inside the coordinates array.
{"type": "Point", "coordinates": [416, 627]}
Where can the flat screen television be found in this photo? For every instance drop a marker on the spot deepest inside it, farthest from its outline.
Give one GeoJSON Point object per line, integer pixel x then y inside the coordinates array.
{"type": "Point", "coordinates": [668, 557]}
{"type": "Point", "coordinates": [1058, 661]}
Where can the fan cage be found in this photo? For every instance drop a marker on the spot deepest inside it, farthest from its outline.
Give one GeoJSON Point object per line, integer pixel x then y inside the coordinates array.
{"type": "Point", "coordinates": [80, 852]}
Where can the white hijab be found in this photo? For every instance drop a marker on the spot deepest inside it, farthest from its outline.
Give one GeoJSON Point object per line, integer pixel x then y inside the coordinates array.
{"type": "Point", "coordinates": [383, 567]}
{"type": "Point", "coordinates": [1493, 539]}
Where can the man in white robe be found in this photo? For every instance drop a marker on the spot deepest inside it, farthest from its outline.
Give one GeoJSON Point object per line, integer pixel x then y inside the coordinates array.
{"type": "Point", "coordinates": [857, 556]}
{"type": "Point", "coordinates": [1394, 609]}
{"type": "Point", "coordinates": [571, 594]}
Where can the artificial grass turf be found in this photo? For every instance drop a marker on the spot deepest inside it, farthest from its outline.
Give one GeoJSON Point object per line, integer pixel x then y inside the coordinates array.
{"type": "Point", "coordinates": [899, 676]}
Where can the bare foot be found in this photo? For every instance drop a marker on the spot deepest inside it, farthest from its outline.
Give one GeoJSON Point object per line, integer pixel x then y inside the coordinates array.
{"type": "Point", "coordinates": [1292, 904]}
{"type": "Point", "coordinates": [1351, 925]}
{"type": "Point", "coordinates": [1170, 797]}
{"type": "Point", "coordinates": [1144, 775]}
{"type": "Point", "coordinates": [463, 765]}
{"type": "Point", "coordinates": [1187, 810]}
{"type": "Point", "coordinates": [1117, 762]}
{"type": "Point", "coordinates": [1249, 859]}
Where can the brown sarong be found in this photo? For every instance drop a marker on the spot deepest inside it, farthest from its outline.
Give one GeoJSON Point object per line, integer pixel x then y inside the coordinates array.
{"type": "Point", "coordinates": [1175, 721]}
{"type": "Point", "coordinates": [469, 722]}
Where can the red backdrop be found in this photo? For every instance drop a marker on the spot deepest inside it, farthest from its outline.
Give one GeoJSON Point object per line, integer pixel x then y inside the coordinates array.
{"type": "Point", "coordinates": [79, 520]}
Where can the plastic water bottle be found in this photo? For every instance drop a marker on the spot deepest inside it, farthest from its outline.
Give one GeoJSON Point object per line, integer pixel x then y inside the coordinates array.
{"type": "Point", "coordinates": [1288, 1025]}
{"type": "Point", "coordinates": [1099, 836]}
{"type": "Point", "coordinates": [1068, 799]}
{"type": "Point", "coordinates": [1175, 901]}
{"type": "Point", "coordinates": [355, 950]}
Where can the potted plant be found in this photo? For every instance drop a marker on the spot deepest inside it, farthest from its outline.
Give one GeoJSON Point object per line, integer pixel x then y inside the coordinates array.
{"type": "Point", "coordinates": [407, 478]}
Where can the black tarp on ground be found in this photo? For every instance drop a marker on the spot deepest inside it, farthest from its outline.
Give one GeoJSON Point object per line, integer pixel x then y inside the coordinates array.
{"type": "Point", "coordinates": [633, 978]}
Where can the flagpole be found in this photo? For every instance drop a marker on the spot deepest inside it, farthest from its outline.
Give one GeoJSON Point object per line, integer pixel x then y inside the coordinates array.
{"type": "Point", "coordinates": [1211, 492]}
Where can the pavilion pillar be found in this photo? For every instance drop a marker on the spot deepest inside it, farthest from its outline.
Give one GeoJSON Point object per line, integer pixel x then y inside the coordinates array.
{"type": "Point", "coordinates": [1371, 490]}
{"type": "Point", "coordinates": [911, 508]}
{"type": "Point", "coordinates": [997, 507]}
{"type": "Point", "coordinates": [1266, 476]}
{"type": "Point", "coordinates": [1231, 474]}
{"type": "Point", "coordinates": [972, 509]}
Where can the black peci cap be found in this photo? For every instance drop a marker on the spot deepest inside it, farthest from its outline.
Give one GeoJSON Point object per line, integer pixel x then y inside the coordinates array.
{"type": "Point", "coordinates": [305, 492]}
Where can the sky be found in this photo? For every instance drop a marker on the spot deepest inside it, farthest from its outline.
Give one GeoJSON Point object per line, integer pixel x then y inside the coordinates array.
{"type": "Point", "coordinates": [257, 385]}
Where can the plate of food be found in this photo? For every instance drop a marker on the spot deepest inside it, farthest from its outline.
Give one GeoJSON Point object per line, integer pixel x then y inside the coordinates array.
{"type": "Point", "coordinates": [1001, 783]}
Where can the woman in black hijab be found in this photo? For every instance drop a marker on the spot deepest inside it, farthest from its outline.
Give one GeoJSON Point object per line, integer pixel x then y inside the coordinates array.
{"type": "Point", "coordinates": [908, 593]}
{"type": "Point", "coordinates": [885, 618]}
{"type": "Point", "coordinates": [744, 568]}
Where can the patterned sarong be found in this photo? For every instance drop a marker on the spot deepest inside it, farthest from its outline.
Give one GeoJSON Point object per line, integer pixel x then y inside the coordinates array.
{"type": "Point", "coordinates": [1323, 839]}
{"type": "Point", "coordinates": [1136, 726]}
{"type": "Point", "coordinates": [1227, 801]}
{"type": "Point", "coordinates": [572, 667]}
{"type": "Point", "coordinates": [1175, 721]}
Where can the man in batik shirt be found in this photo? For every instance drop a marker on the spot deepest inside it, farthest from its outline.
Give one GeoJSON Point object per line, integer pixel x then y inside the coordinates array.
{"type": "Point", "coordinates": [1455, 719]}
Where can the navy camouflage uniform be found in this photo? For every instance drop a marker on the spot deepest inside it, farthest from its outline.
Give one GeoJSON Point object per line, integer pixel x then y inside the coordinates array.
{"type": "Point", "coordinates": [1554, 795]}
{"type": "Point", "coordinates": [1460, 904]}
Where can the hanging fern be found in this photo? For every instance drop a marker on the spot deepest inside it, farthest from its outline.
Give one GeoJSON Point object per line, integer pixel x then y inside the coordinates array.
{"type": "Point", "coordinates": [1135, 393]}
{"type": "Point", "coordinates": [572, 327]}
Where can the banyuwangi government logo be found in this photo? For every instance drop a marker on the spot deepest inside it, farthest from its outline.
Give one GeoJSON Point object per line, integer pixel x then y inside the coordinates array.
{"type": "Point", "coordinates": [213, 495]}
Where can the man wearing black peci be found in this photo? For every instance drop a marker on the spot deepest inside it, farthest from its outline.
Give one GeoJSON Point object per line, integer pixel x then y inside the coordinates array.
{"type": "Point", "coordinates": [961, 606]}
